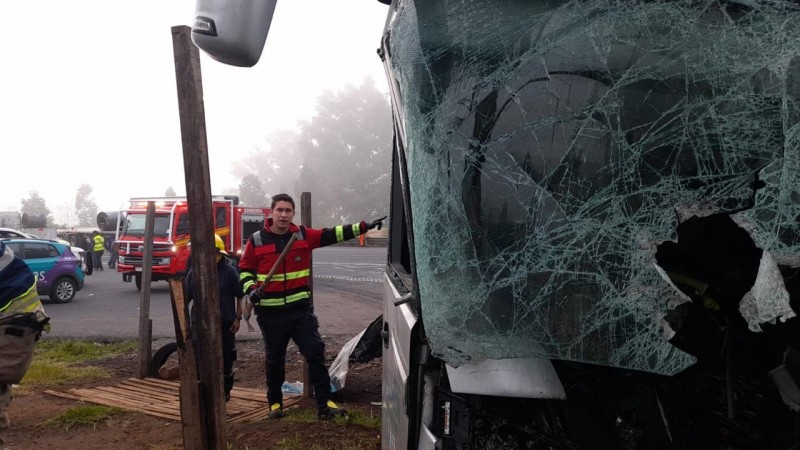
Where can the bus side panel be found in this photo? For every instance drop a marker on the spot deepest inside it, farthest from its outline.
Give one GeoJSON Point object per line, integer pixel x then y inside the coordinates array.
{"type": "Point", "coordinates": [398, 322]}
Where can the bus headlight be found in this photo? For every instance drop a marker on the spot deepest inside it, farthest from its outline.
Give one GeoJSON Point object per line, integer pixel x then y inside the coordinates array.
{"type": "Point", "coordinates": [122, 259]}
{"type": "Point", "coordinates": [164, 261]}
{"type": "Point", "coordinates": [174, 249]}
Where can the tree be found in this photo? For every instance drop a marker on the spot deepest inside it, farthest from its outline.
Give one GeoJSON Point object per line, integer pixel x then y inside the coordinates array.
{"type": "Point", "coordinates": [250, 191]}
{"type": "Point", "coordinates": [170, 192]}
{"type": "Point", "coordinates": [342, 155]}
{"type": "Point", "coordinates": [35, 206]}
{"type": "Point", "coordinates": [346, 154]}
{"type": "Point", "coordinates": [85, 207]}
{"type": "Point", "coordinates": [276, 167]}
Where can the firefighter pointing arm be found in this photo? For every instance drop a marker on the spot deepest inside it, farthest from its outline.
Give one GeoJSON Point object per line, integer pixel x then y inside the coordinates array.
{"type": "Point", "coordinates": [283, 305]}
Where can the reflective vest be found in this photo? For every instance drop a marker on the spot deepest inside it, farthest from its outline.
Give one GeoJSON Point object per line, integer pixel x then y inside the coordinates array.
{"type": "Point", "coordinates": [99, 243]}
{"type": "Point", "coordinates": [18, 293]}
{"type": "Point", "coordinates": [290, 282]}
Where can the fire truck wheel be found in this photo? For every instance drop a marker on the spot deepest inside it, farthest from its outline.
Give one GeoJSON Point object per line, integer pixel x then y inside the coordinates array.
{"type": "Point", "coordinates": [138, 280]}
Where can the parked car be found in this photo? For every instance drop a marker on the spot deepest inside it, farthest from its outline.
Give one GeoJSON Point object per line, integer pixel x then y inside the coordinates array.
{"type": "Point", "coordinates": [58, 270]}
{"type": "Point", "coordinates": [11, 233]}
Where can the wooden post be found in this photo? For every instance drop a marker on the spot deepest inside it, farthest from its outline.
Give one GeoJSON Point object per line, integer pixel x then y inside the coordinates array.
{"type": "Point", "coordinates": [194, 436]}
{"type": "Point", "coordinates": [145, 336]}
{"type": "Point", "coordinates": [198, 194]}
{"type": "Point", "coordinates": [305, 220]}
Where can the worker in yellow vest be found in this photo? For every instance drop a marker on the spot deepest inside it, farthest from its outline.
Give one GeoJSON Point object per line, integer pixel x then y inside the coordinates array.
{"type": "Point", "coordinates": [98, 248]}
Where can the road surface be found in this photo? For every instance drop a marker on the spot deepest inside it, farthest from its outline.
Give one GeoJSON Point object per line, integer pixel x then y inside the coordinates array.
{"type": "Point", "coordinates": [348, 284]}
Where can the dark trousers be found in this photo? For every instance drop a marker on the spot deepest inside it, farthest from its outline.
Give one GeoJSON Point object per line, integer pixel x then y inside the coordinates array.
{"type": "Point", "coordinates": [228, 351]}
{"type": "Point", "coordinates": [228, 357]}
{"type": "Point", "coordinates": [98, 263]}
{"type": "Point", "coordinates": [112, 262]}
{"type": "Point", "coordinates": [299, 324]}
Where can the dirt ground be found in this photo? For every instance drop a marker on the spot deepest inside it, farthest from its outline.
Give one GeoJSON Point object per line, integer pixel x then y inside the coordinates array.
{"type": "Point", "coordinates": [132, 430]}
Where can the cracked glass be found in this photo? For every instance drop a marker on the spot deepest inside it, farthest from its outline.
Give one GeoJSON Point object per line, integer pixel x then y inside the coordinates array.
{"type": "Point", "coordinates": [553, 146]}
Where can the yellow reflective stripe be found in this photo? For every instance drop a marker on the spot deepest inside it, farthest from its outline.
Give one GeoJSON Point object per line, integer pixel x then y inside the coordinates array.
{"type": "Point", "coordinates": [244, 275]}
{"type": "Point", "coordinates": [339, 233]}
{"type": "Point", "coordinates": [288, 276]}
{"type": "Point", "coordinates": [247, 285]}
{"type": "Point", "coordinates": [284, 300]}
{"type": "Point", "coordinates": [25, 303]}
{"type": "Point", "coordinates": [356, 229]}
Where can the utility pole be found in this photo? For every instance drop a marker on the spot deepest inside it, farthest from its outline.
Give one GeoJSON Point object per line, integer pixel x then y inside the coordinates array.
{"type": "Point", "coordinates": [145, 324]}
{"type": "Point", "coordinates": [198, 194]}
{"type": "Point", "coordinates": [305, 220]}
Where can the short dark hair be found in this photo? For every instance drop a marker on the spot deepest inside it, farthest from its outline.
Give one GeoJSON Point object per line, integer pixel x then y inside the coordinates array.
{"type": "Point", "coordinates": [282, 198]}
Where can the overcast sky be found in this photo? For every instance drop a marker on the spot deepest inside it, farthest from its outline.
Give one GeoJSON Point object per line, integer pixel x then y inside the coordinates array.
{"type": "Point", "coordinates": [87, 92]}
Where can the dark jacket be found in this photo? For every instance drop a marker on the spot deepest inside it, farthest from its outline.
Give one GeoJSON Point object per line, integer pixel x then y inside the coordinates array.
{"type": "Point", "coordinates": [229, 291]}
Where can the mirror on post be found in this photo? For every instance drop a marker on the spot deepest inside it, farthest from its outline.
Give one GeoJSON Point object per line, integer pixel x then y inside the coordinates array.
{"type": "Point", "coordinates": [233, 31]}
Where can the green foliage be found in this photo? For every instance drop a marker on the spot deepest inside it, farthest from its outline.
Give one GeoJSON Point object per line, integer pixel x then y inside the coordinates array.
{"type": "Point", "coordinates": [83, 415]}
{"type": "Point", "coordinates": [85, 206]}
{"type": "Point", "coordinates": [251, 193]}
{"type": "Point", "coordinates": [342, 155]}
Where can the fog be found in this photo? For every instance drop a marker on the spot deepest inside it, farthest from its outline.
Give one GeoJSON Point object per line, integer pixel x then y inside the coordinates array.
{"type": "Point", "coordinates": [88, 94]}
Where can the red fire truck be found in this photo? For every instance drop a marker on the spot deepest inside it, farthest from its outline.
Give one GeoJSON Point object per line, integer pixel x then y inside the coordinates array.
{"type": "Point", "coordinates": [233, 223]}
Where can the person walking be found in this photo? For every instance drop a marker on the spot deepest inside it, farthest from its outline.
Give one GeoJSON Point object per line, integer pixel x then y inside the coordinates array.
{"type": "Point", "coordinates": [230, 312]}
{"type": "Point", "coordinates": [22, 320]}
{"type": "Point", "coordinates": [98, 247]}
{"type": "Point", "coordinates": [283, 306]}
{"type": "Point", "coordinates": [113, 251]}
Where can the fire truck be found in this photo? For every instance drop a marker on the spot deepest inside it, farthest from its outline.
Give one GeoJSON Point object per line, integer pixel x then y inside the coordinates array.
{"type": "Point", "coordinates": [171, 247]}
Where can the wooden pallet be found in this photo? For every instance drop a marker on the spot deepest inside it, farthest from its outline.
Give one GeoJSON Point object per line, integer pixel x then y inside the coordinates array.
{"type": "Point", "coordinates": [159, 398]}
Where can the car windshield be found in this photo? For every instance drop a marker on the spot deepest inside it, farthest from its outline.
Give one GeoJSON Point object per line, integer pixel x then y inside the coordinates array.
{"type": "Point", "coordinates": [135, 225]}
{"type": "Point", "coordinates": [553, 146]}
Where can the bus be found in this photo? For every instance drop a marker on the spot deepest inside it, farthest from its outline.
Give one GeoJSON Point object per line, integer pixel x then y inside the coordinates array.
{"type": "Point", "coordinates": [595, 223]}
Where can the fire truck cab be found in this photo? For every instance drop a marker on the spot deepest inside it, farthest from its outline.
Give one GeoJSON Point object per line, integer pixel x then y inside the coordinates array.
{"type": "Point", "coordinates": [171, 247]}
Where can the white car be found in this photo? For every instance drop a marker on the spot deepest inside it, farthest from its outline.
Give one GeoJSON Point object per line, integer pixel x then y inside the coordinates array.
{"type": "Point", "coordinates": [10, 233]}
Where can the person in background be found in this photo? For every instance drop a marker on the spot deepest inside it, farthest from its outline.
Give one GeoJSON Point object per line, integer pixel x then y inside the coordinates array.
{"type": "Point", "coordinates": [98, 247]}
{"type": "Point", "coordinates": [22, 320]}
{"type": "Point", "coordinates": [113, 251]}
{"type": "Point", "coordinates": [283, 306]}
{"type": "Point", "coordinates": [230, 311]}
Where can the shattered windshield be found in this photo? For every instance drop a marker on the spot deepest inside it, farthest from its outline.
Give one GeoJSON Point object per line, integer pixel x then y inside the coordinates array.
{"type": "Point", "coordinates": [555, 147]}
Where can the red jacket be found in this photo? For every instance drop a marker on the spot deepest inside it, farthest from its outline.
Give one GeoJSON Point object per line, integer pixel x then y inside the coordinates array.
{"type": "Point", "coordinates": [289, 284]}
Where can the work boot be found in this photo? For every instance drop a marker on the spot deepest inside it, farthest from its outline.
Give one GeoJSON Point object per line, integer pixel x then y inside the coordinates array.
{"type": "Point", "coordinates": [276, 411]}
{"type": "Point", "coordinates": [329, 411]}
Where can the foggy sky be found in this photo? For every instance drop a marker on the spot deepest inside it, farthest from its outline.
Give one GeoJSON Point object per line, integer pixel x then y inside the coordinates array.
{"type": "Point", "coordinates": [87, 92]}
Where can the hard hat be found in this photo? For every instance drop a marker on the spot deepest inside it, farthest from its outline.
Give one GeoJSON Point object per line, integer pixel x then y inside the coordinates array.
{"type": "Point", "coordinates": [220, 244]}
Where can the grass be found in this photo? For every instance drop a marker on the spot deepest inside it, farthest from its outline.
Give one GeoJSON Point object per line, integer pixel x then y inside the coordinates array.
{"type": "Point", "coordinates": [80, 351]}
{"type": "Point", "coordinates": [53, 362]}
{"type": "Point", "coordinates": [83, 415]}
{"type": "Point", "coordinates": [299, 443]}
{"type": "Point", "coordinates": [355, 417]}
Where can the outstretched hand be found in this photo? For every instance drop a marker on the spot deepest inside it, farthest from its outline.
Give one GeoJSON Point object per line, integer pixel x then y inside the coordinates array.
{"type": "Point", "coordinates": [376, 223]}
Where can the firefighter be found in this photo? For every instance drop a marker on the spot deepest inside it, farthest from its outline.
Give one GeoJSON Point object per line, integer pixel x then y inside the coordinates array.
{"type": "Point", "coordinates": [230, 311]}
{"type": "Point", "coordinates": [99, 246]}
{"type": "Point", "coordinates": [283, 307]}
{"type": "Point", "coordinates": [22, 320]}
